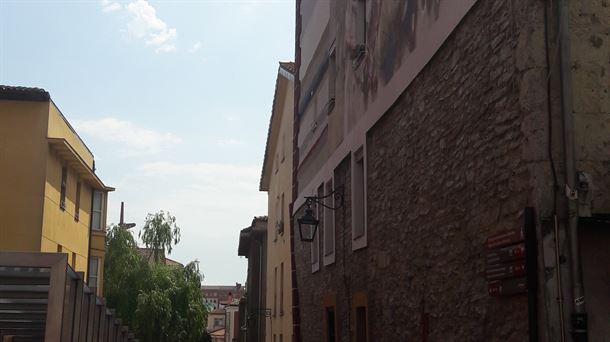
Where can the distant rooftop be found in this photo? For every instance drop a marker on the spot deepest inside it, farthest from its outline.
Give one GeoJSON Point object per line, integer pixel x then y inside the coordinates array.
{"type": "Point", "coordinates": [23, 93]}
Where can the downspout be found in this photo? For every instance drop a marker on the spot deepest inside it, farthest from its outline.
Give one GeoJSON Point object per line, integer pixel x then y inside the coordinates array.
{"type": "Point", "coordinates": [579, 315]}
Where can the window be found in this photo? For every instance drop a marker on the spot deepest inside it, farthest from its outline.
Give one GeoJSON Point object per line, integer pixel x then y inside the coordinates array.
{"type": "Point", "coordinates": [330, 324]}
{"type": "Point", "coordinates": [315, 244]}
{"type": "Point", "coordinates": [329, 226]}
{"type": "Point", "coordinates": [59, 248]}
{"type": "Point", "coordinates": [361, 333]}
{"type": "Point", "coordinates": [277, 218]}
{"type": "Point", "coordinates": [283, 147]}
{"type": "Point", "coordinates": [275, 292]}
{"type": "Point", "coordinates": [280, 216]}
{"type": "Point", "coordinates": [281, 337]}
{"type": "Point", "coordinates": [332, 79]}
{"type": "Point", "coordinates": [358, 200]}
{"type": "Point", "coordinates": [360, 28]}
{"type": "Point", "coordinates": [94, 263]}
{"type": "Point", "coordinates": [64, 183]}
{"type": "Point", "coordinates": [73, 261]}
{"type": "Point", "coordinates": [96, 210]}
{"type": "Point", "coordinates": [281, 291]}
{"type": "Point", "coordinates": [359, 309]}
{"type": "Point", "coordinates": [218, 322]}
{"type": "Point", "coordinates": [77, 203]}
{"type": "Point", "coordinates": [329, 305]}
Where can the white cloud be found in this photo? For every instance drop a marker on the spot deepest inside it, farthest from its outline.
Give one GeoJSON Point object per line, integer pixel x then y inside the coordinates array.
{"type": "Point", "coordinates": [110, 6]}
{"type": "Point", "coordinates": [229, 142]}
{"type": "Point", "coordinates": [144, 24]}
{"type": "Point", "coordinates": [130, 138]}
{"type": "Point", "coordinates": [195, 47]}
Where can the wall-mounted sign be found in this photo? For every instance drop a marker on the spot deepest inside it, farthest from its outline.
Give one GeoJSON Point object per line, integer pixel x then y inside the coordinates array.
{"type": "Point", "coordinates": [507, 287]}
{"type": "Point", "coordinates": [506, 268]}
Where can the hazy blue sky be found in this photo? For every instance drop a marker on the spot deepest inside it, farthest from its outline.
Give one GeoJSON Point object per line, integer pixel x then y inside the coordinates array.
{"type": "Point", "coordinates": [173, 98]}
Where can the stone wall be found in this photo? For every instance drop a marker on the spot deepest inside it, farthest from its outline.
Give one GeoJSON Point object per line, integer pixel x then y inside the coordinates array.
{"type": "Point", "coordinates": [445, 172]}
{"type": "Point", "coordinates": [456, 159]}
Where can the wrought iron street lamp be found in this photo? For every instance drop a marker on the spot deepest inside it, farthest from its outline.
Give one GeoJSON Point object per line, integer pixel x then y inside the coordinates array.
{"type": "Point", "coordinates": [308, 223]}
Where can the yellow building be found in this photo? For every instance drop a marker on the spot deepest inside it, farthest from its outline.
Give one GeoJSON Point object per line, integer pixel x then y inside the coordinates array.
{"type": "Point", "coordinates": [276, 180]}
{"type": "Point", "coordinates": [51, 198]}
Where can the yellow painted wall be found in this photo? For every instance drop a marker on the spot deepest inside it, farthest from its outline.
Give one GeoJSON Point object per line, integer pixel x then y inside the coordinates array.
{"type": "Point", "coordinates": [59, 226]}
{"type": "Point", "coordinates": [32, 219]}
{"type": "Point", "coordinates": [278, 250]}
{"type": "Point", "coordinates": [60, 128]}
{"type": "Point", "coordinates": [22, 170]}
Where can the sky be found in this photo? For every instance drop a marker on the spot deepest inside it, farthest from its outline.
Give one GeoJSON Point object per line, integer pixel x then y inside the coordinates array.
{"type": "Point", "coordinates": [172, 97]}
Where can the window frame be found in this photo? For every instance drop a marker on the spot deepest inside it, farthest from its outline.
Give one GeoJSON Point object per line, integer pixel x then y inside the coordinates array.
{"type": "Point", "coordinates": [95, 211]}
{"type": "Point", "coordinates": [63, 188]}
{"type": "Point", "coordinates": [282, 288]}
{"type": "Point", "coordinates": [330, 302]}
{"type": "Point", "coordinates": [329, 224]}
{"type": "Point", "coordinates": [77, 201]}
{"type": "Point", "coordinates": [359, 203]}
{"type": "Point", "coordinates": [275, 291]}
{"type": "Point", "coordinates": [97, 272]}
{"type": "Point", "coordinates": [360, 301]}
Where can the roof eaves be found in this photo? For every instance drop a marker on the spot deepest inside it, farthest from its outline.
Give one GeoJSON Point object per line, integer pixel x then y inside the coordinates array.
{"type": "Point", "coordinates": [16, 93]}
{"type": "Point", "coordinates": [287, 66]}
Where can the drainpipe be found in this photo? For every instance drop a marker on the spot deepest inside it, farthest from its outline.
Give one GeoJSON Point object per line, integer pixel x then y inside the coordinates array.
{"type": "Point", "coordinates": [579, 315]}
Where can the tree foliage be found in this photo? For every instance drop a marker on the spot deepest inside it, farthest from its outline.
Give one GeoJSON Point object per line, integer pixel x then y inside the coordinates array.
{"type": "Point", "coordinates": [160, 233]}
{"type": "Point", "coordinates": [162, 303]}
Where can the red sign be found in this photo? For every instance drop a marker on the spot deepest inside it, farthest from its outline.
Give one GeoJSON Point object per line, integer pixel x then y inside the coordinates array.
{"type": "Point", "coordinates": [506, 254]}
{"type": "Point", "coordinates": [507, 287]}
{"type": "Point", "coordinates": [505, 238]}
{"type": "Point", "coordinates": [502, 271]}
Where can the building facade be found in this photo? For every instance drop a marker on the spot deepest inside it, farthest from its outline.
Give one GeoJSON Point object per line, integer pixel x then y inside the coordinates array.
{"type": "Point", "coordinates": [254, 313]}
{"type": "Point", "coordinates": [219, 296]}
{"type": "Point", "coordinates": [52, 199]}
{"type": "Point", "coordinates": [276, 180]}
{"type": "Point", "coordinates": [443, 125]}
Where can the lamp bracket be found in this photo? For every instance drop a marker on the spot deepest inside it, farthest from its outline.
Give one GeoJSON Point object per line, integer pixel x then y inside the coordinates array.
{"type": "Point", "coordinates": [337, 192]}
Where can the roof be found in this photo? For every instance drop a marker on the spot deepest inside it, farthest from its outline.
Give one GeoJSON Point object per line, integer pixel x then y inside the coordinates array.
{"type": "Point", "coordinates": [259, 224]}
{"type": "Point", "coordinates": [288, 66]}
{"type": "Point", "coordinates": [147, 253]}
{"type": "Point", "coordinates": [274, 120]}
{"type": "Point", "coordinates": [16, 93]}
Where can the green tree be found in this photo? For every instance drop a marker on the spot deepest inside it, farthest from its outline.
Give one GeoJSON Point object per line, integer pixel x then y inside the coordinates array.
{"type": "Point", "coordinates": [170, 307]}
{"type": "Point", "coordinates": [162, 303]}
{"type": "Point", "coordinates": [160, 233]}
{"type": "Point", "coordinates": [124, 272]}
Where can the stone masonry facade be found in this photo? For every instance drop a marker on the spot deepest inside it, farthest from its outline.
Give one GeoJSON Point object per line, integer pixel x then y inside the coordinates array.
{"type": "Point", "coordinates": [456, 159]}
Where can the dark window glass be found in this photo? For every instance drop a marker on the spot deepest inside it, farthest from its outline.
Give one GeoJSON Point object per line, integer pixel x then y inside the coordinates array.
{"type": "Point", "coordinates": [361, 332]}
{"type": "Point", "coordinates": [330, 324]}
